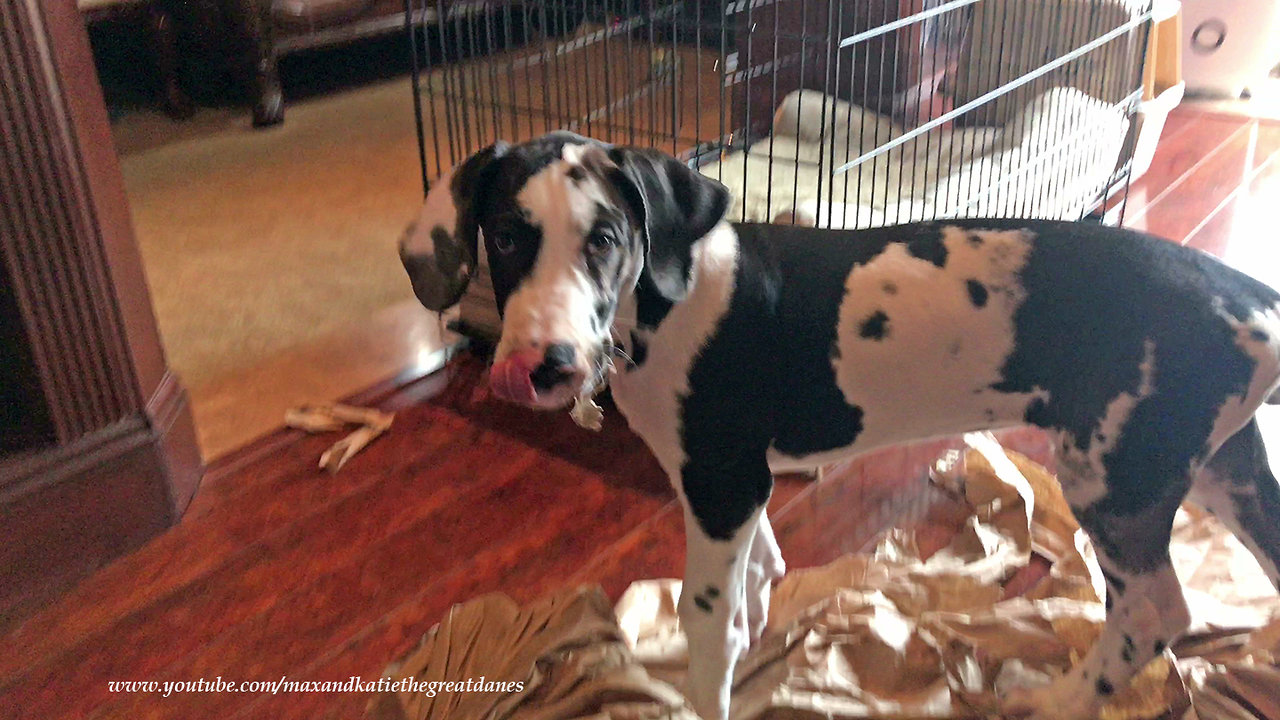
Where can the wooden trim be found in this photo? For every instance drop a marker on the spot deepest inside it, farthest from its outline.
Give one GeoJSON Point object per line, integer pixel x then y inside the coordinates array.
{"type": "Point", "coordinates": [68, 511]}
{"type": "Point", "coordinates": [51, 242]}
{"type": "Point", "coordinates": [85, 112]}
{"type": "Point", "coordinates": [122, 461]}
{"type": "Point", "coordinates": [173, 432]}
{"type": "Point", "coordinates": [26, 474]}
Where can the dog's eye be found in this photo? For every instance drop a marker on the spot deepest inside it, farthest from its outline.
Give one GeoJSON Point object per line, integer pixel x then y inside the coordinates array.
{"type": "Point", "coordinates": [601, 240]}
{"type": "Point", "coordinates": [503, 244]}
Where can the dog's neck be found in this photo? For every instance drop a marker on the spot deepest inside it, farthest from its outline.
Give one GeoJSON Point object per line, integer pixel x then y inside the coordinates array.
{"type": "Point", "coordinates": [640, 311]}
{"type": "Point", "coordinates": [650, 308]}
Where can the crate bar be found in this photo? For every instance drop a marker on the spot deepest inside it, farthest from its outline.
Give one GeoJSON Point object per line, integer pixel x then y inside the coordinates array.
{"type": "Point", "coordinates": [751, 73]}
{"type": "Point", "coordinates": [890, 26]}
{"type": "Point", "coordinates": [1132, 141]}
{"type": "Point", "coordinates": [416, 80]}
{"type": "Point", "coordinates": [626, 26]}
{"type": "Point", "coordinates": [1007, 87]}
{"type": "Point", "coordinates": [646, 90]}
{"type": "Point", "coordinates": [741, 6]}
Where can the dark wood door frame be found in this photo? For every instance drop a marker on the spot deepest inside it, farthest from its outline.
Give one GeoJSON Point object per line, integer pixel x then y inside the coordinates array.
{"type": "Point", "coordinates": [101, 451]}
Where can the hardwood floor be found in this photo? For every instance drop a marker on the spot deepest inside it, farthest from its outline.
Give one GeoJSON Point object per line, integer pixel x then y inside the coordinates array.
{"type": "Point", "coordinates": [1214, 179]}
{"type": "Point", "coordinates": [279, 569]}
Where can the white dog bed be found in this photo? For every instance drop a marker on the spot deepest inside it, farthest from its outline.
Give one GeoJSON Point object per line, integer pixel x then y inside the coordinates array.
{"type": "Point", "coordinates": [1050, 160]}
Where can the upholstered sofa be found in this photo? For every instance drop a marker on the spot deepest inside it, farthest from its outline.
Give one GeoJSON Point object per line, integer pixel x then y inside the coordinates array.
{"type": "Point", "coordinates": [278, 27]}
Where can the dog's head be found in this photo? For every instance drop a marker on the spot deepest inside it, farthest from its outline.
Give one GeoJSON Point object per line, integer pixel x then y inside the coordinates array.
{"type": "Point", "coordinates": [570, 225]}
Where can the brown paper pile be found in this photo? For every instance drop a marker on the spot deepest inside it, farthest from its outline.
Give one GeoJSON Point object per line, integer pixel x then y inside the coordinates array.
{"type": "Point", "coordinates": [567, 649]}
{"type": "Point", "coordinates": [886, 634]}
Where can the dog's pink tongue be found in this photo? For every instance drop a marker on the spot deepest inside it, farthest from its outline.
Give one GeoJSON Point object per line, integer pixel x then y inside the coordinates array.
{"type": "Point", "coordinates": [510, 379]}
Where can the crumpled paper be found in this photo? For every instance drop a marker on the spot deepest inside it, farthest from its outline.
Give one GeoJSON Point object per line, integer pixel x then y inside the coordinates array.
{"type": "Point", "coordinates": [567, 649]}
{"type": "Point", "coordinates": [897, 632]}
{"type": "Point", "coordinates": [327, 418]}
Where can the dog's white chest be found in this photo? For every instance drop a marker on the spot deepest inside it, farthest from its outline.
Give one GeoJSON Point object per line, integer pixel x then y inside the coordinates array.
{"type": "Point", "coordinates": [650, 396]}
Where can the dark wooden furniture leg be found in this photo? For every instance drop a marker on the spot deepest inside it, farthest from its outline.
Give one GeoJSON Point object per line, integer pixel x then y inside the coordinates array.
{"type": "Point", "coordinates": [268, 99]}
{"type": "Point", "coordinates": [164, 43]}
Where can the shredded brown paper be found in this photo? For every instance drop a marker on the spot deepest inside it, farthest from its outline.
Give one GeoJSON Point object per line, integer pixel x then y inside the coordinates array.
{"type": "Point", "coordinates": [886, 634]}
{"type": "Point", "coordinates": [327, 418]}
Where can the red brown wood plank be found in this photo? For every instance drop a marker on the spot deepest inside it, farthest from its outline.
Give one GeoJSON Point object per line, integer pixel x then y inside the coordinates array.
{"type": "Point", "coordinates": [276, 574]}
{"type": "Point", "coordinates": [1188, 137]}
{"type": "Point", "coordinates": [653, 551]}
{"type": "Point", "coordinates": [1207, 185]}
{"type": "Point", "coordinates": [542, 554]}
{"type": "Point", "coordinates": [203, 545]}
{"type": "Point", "coordinates": [292, 488]}
{"type": "Point", "coordinates": [524, 536]}
{"type": "Point", "coordinates": [1234, 233]}
{"type": "Point", "coordinates": [654, 548]}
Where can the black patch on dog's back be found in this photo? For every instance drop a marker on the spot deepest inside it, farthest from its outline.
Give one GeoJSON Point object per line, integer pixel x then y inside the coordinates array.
{"type": "Point", "coordinates": [1095, 297]}
{"type": "Point", "coordinates": [766, 375]}
{"type": "Point", "coordinates": [812, 414]}
{"type": "Point", "coordinates": [875, 327]}
{"type": "Point", "coordinates": [977, 293]}
{"type": "Point", "coordinates": [809, 412]}
{"type": "Point", "coordinates": [929, 247]}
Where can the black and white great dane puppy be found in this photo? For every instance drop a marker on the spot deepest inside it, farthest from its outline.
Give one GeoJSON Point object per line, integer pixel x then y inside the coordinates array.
{"type": "Point", "coordinates": [762, 348]}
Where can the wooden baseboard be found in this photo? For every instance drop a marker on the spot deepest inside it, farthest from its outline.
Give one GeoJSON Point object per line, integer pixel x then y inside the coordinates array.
{"type": "Point", "coordinates": [68, 510]}
{"type": "Point", "coordinates": [174, 430]}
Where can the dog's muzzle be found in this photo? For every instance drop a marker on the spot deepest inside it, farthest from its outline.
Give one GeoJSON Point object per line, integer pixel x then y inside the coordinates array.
{"type": "Point", "coordinates": [532, 377]}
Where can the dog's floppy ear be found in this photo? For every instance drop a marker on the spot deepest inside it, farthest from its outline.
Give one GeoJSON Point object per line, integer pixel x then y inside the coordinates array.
{"type": "Point", "coordinates": [676, 204]}
{"type": "Point", "coordinates": [441, 249]}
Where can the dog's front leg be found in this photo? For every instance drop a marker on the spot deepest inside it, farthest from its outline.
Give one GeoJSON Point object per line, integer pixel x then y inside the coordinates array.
{"type": "Point", "coordinates": [713, 612]}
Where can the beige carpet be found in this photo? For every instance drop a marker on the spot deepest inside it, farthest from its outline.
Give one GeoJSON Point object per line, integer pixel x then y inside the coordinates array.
{"type": "Point", "coordinates": [257, 240]}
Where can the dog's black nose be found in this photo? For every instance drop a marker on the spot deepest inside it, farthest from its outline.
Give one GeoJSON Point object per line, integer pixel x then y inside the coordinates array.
{"type": "Point", "coordinates": [558, 354]}
{"type": "Point", "coordinates": [556, 367]}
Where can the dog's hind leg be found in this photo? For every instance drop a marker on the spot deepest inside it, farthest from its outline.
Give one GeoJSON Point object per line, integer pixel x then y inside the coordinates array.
{"type": "Point", "coordinates": [1240, 489]}
{"type": "Point", "coordinates": [1145, 606]}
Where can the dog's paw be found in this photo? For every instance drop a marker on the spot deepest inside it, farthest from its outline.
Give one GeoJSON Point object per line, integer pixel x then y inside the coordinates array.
{"type": "Point", "coordinates": [709, 702]}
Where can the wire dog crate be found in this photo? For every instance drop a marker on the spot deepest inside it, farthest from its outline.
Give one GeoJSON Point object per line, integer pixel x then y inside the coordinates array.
{"type": "Point", "coordinates": [836, 114]}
